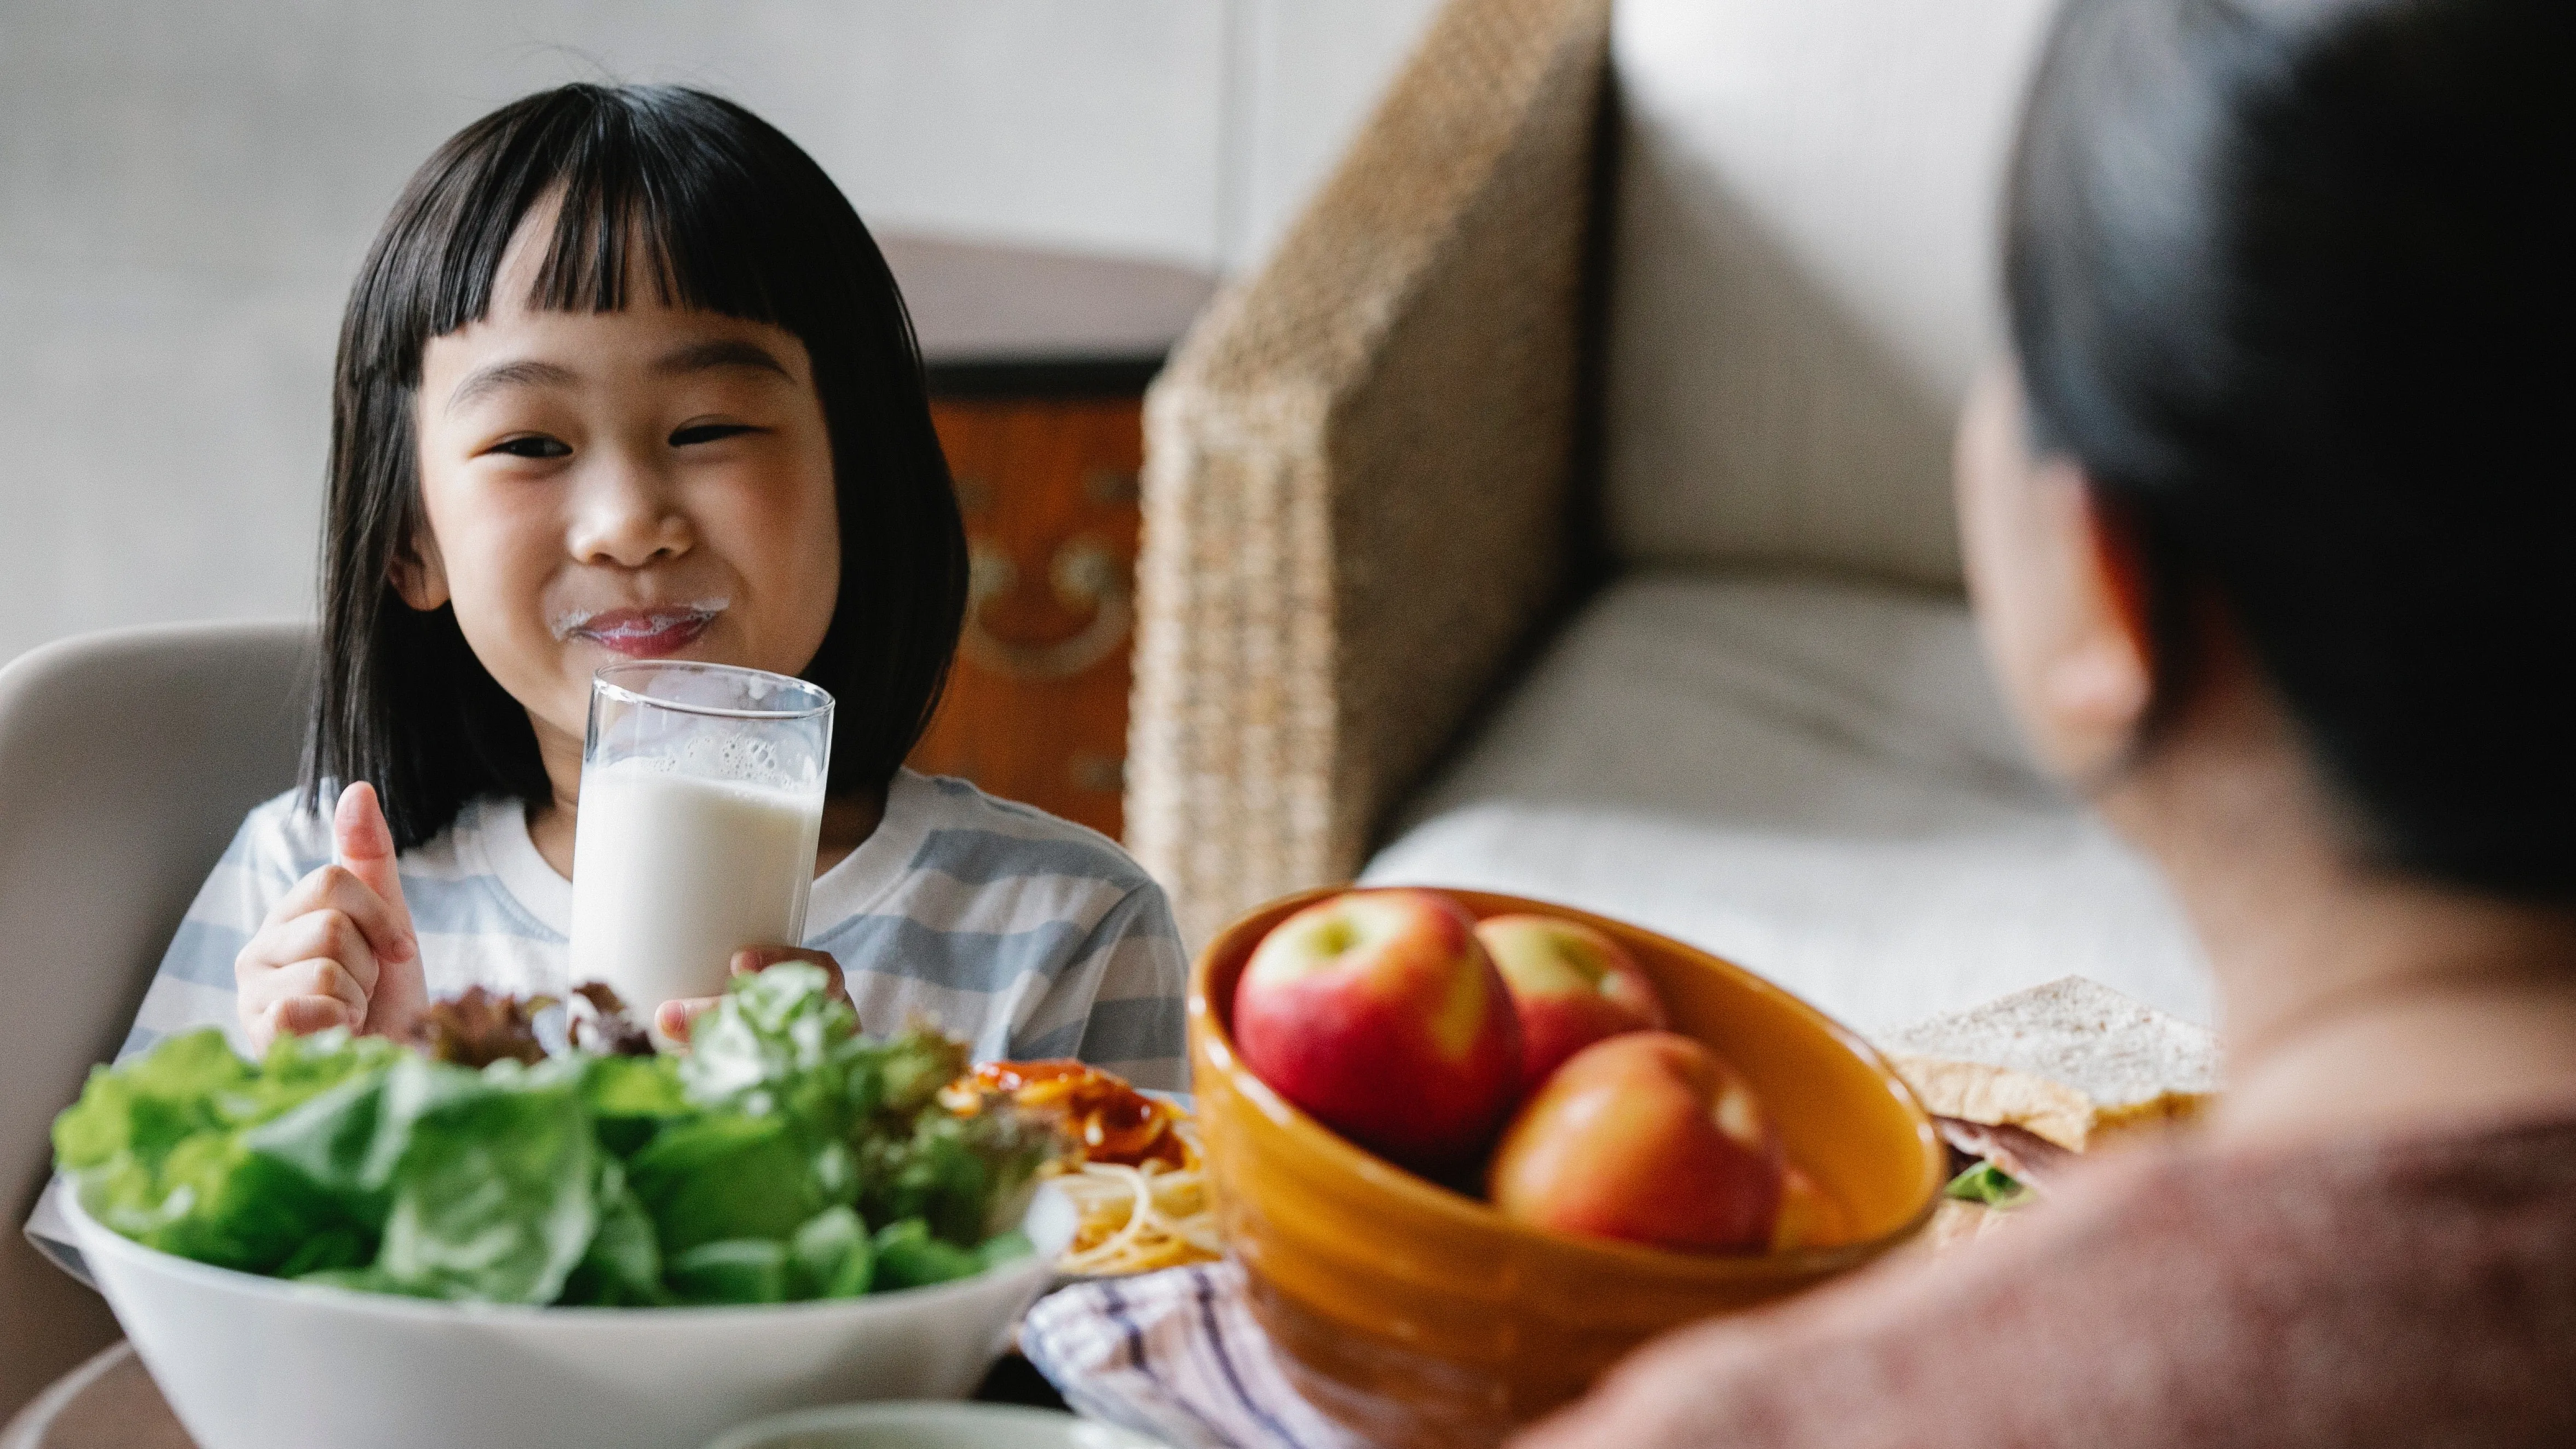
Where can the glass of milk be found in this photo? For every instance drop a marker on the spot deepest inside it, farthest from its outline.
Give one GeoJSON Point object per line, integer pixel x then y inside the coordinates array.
{"type": "Point", "coordinates": [701, 805]}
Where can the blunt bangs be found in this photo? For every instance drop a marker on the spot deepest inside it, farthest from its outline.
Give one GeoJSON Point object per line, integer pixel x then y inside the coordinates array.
{"type": "Point", "coordinates": [651, 194]}
{"type": "Point", "coordinates": [714, 210]}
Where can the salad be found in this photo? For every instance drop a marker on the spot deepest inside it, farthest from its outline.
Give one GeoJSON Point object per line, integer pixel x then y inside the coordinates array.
{"type": "Point", "coordinates": [784, 1157]}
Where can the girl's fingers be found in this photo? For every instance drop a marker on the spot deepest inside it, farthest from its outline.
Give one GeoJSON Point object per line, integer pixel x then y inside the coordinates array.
{"type": "Point", "coordinates": [298, 1016]}
{"type": "Point", "coordinates": [674, 1018]}
{"type": "Point", "coordinates": [320, 979]}
{"type": "Point", "coordinates": [291, 1012]}
{"type": "Point", "coordinates": [304, 1015]}
{"type": "Point", "coordinates": [286, 960]}
{"type": "Point", "coordinates": [365, 846]}
{"type": "Point", "coordinates": [400, 1000]}
{"type": "Point", "coordinates": [337, 888]}
{"type": "Point", "coordinates": [324, 935]}
{"type": "Point", "coordinates": [366, 850]}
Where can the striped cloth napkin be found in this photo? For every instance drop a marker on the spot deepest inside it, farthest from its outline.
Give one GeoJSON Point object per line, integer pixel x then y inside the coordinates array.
{"type": "Point", "coordinates": [1176, 1356]}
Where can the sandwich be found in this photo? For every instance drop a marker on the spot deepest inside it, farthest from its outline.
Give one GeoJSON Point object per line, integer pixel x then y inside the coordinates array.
{"type": "Point", "coordinates": [2021, 1086]}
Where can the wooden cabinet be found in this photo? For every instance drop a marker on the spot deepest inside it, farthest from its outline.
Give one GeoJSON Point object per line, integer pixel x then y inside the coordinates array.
{"type": "Point", "coordinates": [1037, 363]}
{"type": "Point", "coordinates": [1036, 708]}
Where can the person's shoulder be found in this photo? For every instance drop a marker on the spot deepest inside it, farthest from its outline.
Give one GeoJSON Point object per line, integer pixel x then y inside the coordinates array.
{"type": "Point", "coordinates": [979, 839]}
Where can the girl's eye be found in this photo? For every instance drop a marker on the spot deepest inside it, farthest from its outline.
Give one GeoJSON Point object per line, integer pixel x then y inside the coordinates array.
{"type": "Point", "coordinates": [708, 433]}
{"type": "Point", "coordinates": [533, 446]}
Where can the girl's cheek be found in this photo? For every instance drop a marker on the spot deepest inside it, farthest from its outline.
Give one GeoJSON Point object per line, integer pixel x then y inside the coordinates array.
{"type": "Point", "coordinates": [789, 556]}
{"type": "Point", "coordinates": [500, 561]}
{"type": "Point", "coordinates": [820, 540]}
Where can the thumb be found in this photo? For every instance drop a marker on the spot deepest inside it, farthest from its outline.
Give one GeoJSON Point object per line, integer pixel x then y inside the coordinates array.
{"type": "Point", "coordinates": [365, 847]}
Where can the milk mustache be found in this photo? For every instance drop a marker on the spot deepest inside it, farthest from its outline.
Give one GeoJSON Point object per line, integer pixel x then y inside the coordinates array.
{"type": "Point", "coordinates": [701, 806]}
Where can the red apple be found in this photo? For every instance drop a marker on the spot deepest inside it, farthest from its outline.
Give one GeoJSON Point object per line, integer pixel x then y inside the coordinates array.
{"type": "Point", "coordinates": [1571, 986]}
{"type": "Point", "coordinates": [1379, 1014]}
{"type": "Point", "coordinates": [1648, 1136]}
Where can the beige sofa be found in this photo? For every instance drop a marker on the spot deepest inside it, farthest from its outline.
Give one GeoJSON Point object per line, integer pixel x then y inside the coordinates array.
{"type": "Point", "coordinates": [1564, 509]}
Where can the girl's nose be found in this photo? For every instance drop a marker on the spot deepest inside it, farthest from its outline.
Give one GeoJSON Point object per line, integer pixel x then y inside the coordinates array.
{"type": "Point", "coordinates": [626, 513]}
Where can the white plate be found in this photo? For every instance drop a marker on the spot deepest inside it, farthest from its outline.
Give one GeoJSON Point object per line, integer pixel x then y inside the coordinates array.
{"type": "Point", "coordinates": [930, 1426]}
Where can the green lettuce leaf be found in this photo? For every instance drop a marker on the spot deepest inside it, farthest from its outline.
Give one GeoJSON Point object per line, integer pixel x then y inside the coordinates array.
{"type": "Point", "coordinates": [332, 1140]}
{"type": "Point", "coordinates": [777, 1044]}
{"type": "Point", "coordinates": [897, 1079]}
{"type": "Point", "coordinates": [1988, 1184]}
{"type": "Point", "coordinates": [495, 1186]}
{"type": "Point", "coordinates": [158, 1150]}
{"type": "Point", "coordinates": [633, 1097]}
{"type": "Point", "coordinates": [747, 1171]}
{"type": "Point", "coordinates": [214, 1200]}
{"type": "Point", "coordinates": [299, 1068]}
{"type": "Point", "coordinates": [831, 1256]}
{"type": "Point", "coordinates": [181, 1088]}
{"type": "Point", "coordinates": [367, 1279]}
{"type": "Point", "coordinates": [736, 1270]}
{"type": "Point", "coordinates": [623, 1265]}
{"type": "Point", "coordinates": [1004, 1247]}
{"type": "Point", "coordinates": [909, 1257]}
{"type": "Point", "coordinates": [958, 1174]}
{"type": "Point", "coordinates": [724, 1176]}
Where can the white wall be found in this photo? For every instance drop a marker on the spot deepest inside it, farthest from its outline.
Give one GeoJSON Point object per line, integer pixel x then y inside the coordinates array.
{"type": "Point", "coordinates": [1311, 70]}
{"type": "Point", "coordinates": [185, 190]}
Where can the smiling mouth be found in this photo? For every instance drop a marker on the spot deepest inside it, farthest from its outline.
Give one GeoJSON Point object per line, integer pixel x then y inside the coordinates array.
{"type": "Point", "coordinates": [645, 633]}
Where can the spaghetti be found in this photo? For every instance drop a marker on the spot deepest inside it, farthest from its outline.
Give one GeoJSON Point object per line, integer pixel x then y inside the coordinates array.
{"type": "Point", "coordinates": [1135, 1176]}
{"type": "Point", "coordinates": [1137, 1219]}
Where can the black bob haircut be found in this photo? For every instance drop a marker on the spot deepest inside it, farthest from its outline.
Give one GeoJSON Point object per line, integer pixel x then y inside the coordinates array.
{"type": "Point", "coordinates": [699, 198]}
{"type": "Point", "coordinates": [2294, 282]}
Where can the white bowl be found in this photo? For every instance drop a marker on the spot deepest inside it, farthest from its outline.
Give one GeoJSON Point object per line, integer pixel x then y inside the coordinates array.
{"type": "Point", "coordinates": [930, 1426]}
{"type": "Point", "coordinates": [258, 1363]}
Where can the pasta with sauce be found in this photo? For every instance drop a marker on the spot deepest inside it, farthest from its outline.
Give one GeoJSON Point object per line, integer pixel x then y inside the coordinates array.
{"type": "Point", "coordinates": [1136, 1178]}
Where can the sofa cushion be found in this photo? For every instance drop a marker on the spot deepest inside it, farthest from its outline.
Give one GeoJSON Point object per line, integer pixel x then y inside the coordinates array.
{"type": "Point", "coordinates": [1802, 272]}
{"type": "Point", "coordinates": [1812, 779]}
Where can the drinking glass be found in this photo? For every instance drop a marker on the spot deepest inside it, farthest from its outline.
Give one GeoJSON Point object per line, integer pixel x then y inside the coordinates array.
{"type": "Point", "coordinates": [701, 806]}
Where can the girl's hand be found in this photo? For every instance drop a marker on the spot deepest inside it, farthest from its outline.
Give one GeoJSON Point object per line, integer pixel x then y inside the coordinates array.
{"type": "Point", "coordinates": [339, 950]}
{"type": "Point", "coordinates": [673, 1018]}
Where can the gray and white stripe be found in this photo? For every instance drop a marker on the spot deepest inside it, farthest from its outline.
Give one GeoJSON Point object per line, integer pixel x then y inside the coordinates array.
{"type": "Point", "coordinates": [1025, 934]}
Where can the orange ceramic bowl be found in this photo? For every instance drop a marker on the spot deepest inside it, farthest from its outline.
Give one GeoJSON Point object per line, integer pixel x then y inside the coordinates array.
{"type": "Point", "coordinates": [1418, 1316]}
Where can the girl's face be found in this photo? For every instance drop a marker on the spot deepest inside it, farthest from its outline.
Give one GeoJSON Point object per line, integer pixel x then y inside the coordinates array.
{"type": "Point", "coordinates": [641, 484]}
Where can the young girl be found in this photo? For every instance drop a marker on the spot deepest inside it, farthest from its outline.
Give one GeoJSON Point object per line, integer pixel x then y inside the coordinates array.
{"type": "Point", "coordinates": [625, 377]}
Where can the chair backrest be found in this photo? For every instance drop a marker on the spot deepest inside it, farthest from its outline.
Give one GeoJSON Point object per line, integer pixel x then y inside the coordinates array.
{"type": "Point", "coordinates": [1803, 272]}
{"type": "Point", "coordinates": [127, 760]}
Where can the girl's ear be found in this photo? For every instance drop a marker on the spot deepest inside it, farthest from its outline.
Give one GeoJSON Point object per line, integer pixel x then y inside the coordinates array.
{"type": "Point", "coordinates": [417, 572]}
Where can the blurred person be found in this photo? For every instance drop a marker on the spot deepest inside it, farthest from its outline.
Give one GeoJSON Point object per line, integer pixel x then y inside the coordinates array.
{"type": "Point", "coordinates": [2271, 530]}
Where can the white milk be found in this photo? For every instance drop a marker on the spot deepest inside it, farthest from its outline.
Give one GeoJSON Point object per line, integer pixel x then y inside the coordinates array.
{"type": "Point", "coordinates": [672, 874]}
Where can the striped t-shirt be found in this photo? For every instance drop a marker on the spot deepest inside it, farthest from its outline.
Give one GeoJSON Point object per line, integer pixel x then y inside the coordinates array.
{"type": "Point", "coordinates": [1025, 934]}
